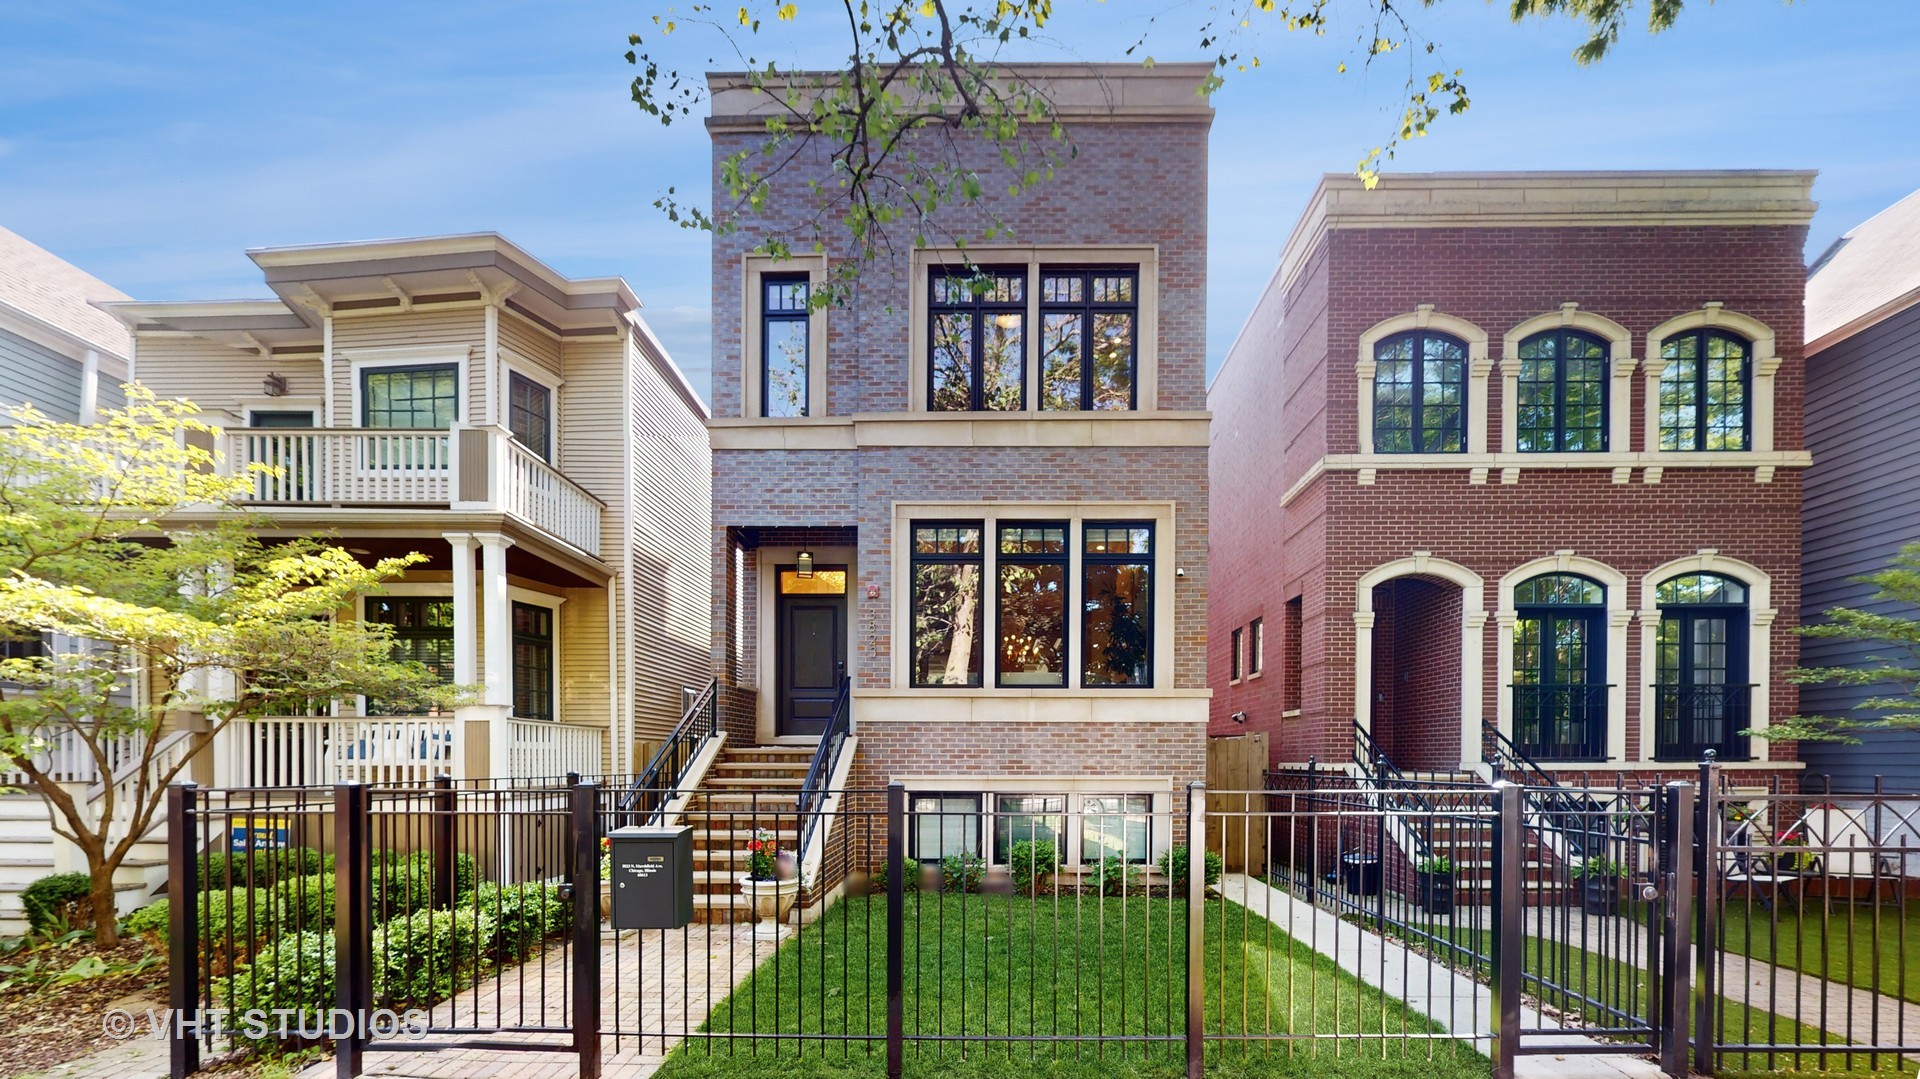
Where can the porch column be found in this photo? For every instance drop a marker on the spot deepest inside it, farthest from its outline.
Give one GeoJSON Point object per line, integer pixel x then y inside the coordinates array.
{"type": "Point", "coordinates": [1473, 658]}
{"type": "Point", "coordinates": [467, 720]}
{"type": "Point", "coordinates": [1363, 671]}
{"type": "Point", "coordinates": [496, 671]}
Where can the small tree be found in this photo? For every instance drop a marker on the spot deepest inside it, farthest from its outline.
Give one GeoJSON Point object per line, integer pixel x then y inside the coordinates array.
{"type": "Point", "coordinates": [124, 537]}
{"type": "Point", "coordinates": [1896, 671]}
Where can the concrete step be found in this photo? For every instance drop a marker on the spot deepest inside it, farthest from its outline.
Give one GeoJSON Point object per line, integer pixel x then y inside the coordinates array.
{"type": "Point", "coordinates": [722, 838]}
{"type": "Point", "coordinates": [752, 783]}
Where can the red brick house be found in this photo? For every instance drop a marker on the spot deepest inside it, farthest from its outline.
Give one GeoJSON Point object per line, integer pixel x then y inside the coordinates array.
{"type": "Point", "coordinates": [1518, 451]}
{"type": "Point", "coordinates": [925, 491]}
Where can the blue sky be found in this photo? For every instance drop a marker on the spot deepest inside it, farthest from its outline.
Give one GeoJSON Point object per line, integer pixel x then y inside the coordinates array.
{"type": "Point", "coordinates": [151, 144]}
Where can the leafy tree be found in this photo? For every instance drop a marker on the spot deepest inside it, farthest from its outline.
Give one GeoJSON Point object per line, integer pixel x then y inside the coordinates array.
{"type": "Point", "coordinates": [120, 537]}
{"type": "Point", "coordinates": [894, 135]}
{"type": "Point", "coordinates": [1896, 671]}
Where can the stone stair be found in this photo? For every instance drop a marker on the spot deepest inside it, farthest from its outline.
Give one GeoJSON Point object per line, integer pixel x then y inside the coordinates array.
{"type": "Point", "coordinates": [27, 853]}
{"type": "Point", "coordinates": [749, 789]}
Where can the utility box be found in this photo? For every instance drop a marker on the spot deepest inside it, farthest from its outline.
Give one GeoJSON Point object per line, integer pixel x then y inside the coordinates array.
{"type": "Point", "coordinates": [651, 877]}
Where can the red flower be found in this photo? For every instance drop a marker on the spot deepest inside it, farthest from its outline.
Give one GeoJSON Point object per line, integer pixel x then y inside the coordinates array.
{"type": "Point", "coordinates": [753, 845]}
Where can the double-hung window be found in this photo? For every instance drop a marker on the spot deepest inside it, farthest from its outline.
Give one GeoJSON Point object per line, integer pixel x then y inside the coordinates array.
{"type": "Point", "coordinates": [530, 414]}
{"type": "Point", "coordinates": [1033, 604]}
{"type": "Point", "coordinates": [1256, 647]}
{"type": "Point", "coordinates": [785, 347]}
{"type": "Point", "coordinates": [946, 618]}
{"type": "Point", "coordinates": [1088, 323]}
{"type": "Point", "coordinates": [977, 352]}
{"type": "Point", "coordinates": [532, 661]}
{"type": "Point", "coordinates": [1117, 603]}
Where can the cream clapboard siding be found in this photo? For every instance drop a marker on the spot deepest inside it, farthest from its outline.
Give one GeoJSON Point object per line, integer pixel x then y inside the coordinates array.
{"type": "Point", "coordinates": [593, 455]}
{"type": "Point", "coordinates": [670, 580]}
{"type": "Point", "coordinates": [585, 681]}
{"type": "Point", "coordinates": [532, 343]}
{"type": "Point", "coordinates": [218, 377]}
{"type": "Point", "coordinates": [461, 329]}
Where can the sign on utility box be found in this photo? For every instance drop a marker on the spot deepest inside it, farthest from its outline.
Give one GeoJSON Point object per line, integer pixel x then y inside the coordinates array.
{"type": "Point", "coordinates": [652, 877]}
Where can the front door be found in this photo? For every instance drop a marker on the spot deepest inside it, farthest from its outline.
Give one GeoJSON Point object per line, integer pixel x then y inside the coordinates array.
{"type": "Point", "coordinates": [811, 645]}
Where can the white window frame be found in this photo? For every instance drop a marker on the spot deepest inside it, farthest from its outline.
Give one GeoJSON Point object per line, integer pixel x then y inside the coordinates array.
{"type": "Point", "coordinates": [1620, 368]}
{"type": "Point", "coordinates": [512, 363]}
{"type": "Point", "coordinates": [425, 356]}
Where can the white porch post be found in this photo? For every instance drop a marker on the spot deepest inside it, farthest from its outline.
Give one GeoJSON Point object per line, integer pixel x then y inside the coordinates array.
{"type": "Point", "coordinates": [467, 720]}
{"type": "Point", "coordinates": [496, 672]}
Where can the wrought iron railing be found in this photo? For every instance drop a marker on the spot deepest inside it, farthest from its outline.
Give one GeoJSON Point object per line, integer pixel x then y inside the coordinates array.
{"type": "Point", "coordinates": [1552, 807]}
{"type": "Point", "coordinates": [1395, 791]}
{"type": "Point", "coordinates": [659, 782]}
{"type": "Point", "coordinates": [813, 792]}
{"type": "Point", "coordinates": [1561, 721]}
{"type": "Point", "coordinates": [1690, 720]}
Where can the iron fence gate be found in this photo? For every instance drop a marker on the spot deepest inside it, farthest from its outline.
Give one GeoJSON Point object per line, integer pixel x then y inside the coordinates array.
{"type": "Point", "coordinates": [1410, 917]}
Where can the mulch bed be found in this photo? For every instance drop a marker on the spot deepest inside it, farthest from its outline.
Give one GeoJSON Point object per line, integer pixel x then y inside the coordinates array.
{"type": "Point", "coordinates": [43, 1027]}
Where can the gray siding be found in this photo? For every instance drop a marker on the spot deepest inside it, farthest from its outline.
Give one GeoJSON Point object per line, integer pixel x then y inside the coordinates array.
{"type": "Point", "coordinates": [1861, 504]}
{"type": "Point", "coordinates": [33, 373]}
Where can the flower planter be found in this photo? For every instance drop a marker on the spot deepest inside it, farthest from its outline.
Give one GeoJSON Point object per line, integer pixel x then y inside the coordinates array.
{"type": "Point", "coordinates": [1434, 893]}
{"type": "Point", "coordinates": [1600, 896]}
{"type": "Point", "coordinates": [772, 901]}
{"type": "Point", "coordinates": [1360, 873]}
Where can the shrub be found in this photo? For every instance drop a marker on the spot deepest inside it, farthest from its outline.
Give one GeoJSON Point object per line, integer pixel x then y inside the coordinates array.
{"type": "Point", "coordinates": [1176, 867]}
{"type": "Point", "coordinates": [419, 959]}
{"type": "Point", "coordinates": [294, 972]}
{"type": "Point", "coordinates": [401, 887]}
{"type": "Point", "coordinates": [306, 902]}
{"type": "Point", "coordinates": [909, 877]}
{"type": "Point", "coordinates": [230, 925]}
{"type": "Point", "coordinates": [522, 916]}
{"type": "Point", "coordinates": [56, 902]}
{"type": "Point", "coordinates": [1118, 877]}
{"type": "Point", "coordinates": [1028, 861]}
{"type": "Point", "coordinates": [151, 924]}
{"type": "Point", "coordinates": [221, 871]}
{"type": "Point", "coordinates": [962, 872]}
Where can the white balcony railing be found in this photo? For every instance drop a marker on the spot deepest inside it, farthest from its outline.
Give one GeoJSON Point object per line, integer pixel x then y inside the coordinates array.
{"type": "Point", "coordinates": [538, 494]}
{"type": "Point", "coordinates": [304, 751]}
{"type": "Point", "coordinates": [65, 757]}
{"type": "Point", "coordinates": [331, 467]}
{"type": "Point", "coordinates": [542, 748]}
{"type": "Point", "coordinates": [472, 468]}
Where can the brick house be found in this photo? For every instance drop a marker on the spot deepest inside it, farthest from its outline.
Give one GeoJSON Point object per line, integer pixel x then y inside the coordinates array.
{"type": "Point", "coordinates": [1517, 451]}
{"type": "Point", "coordinates": [925, 491]}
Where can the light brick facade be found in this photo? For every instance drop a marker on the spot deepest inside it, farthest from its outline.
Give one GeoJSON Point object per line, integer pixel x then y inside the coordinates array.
{"type": "Point", "coordinates": [1306, 509]}
{"type": "Point", "coordinates": [845, 485]}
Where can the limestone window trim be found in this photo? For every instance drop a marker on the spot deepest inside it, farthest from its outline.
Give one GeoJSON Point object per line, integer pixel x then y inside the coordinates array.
{"type": "Point", "coordinates": [1479, 370]}
{"type": "Point", "coordinates": [1760, 617]}
{"type": "Point", "coordinates": [1166, 586]}
{"type": "Point", "coordinates": [1619, 617]}
{"type": "Point", "coordinates": [1473, 622]}
{"type": "Point", "coordinates": [1620, 368]}
{"type": "Point", "coordinates": [1146, 334]}
{"type": "Point", "coordinates": [752, 269]}
{"type": "Point", "coordinates": [1764, 358]}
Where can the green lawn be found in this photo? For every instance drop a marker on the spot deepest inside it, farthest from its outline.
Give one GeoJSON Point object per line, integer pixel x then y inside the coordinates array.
{"type": "Point", "coordinates": [1852, 942]}
{"type": "Point", "coordinates": [981, 965]}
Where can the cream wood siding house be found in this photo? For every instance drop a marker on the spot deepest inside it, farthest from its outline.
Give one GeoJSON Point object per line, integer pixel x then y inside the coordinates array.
{"type": "Point", "coordinates": [524, 431]}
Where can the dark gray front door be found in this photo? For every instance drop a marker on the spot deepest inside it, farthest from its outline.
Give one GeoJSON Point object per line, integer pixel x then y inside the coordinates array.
{"type": "Point", "coordinates": [811, 628]}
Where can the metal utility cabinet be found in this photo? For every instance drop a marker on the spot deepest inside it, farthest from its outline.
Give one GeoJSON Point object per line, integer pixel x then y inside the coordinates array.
{"type": "Point", "coordinates": [651, 877]}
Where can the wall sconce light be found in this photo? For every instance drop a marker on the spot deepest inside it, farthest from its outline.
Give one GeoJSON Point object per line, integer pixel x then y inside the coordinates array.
{"type": "Point", "coordinates": [873, 591]}
{"type": "Point", "coordinates": [1239, 717]}
{"type": "Point", "coordinates": [803, 565]}
{"type": "Point", "coordinates": [274, 385]}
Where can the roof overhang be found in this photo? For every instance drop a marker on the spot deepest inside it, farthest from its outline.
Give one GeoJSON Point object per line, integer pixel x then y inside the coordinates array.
{"type": "Point", "coordinates": [56, 339]}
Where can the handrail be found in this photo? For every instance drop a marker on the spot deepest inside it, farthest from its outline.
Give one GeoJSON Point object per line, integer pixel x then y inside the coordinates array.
{"type": "Point", "coordinates": [1377, 769]}
{"type": "Point", "coordinates": [659, 782]}
{"type": "Point", "coordinates": [813, 792]}
{"type": "Point", "coordinates": [1547, 801]}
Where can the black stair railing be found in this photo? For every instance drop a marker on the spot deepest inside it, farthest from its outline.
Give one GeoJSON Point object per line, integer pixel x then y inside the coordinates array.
{"type": "Point", "coordinates": [1690, 720]}
{"type": "Point", "coordinates": [1551, 806]}
{"type": "Point", "coordinates": [1395, 792]}
{"type": "Point", "coordinates": [659, 782]}
{"type": "Point", "coordinates": [813, 792]}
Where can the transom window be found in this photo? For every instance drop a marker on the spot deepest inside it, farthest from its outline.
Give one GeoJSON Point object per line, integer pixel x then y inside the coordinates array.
{"type": "Point", "coordinates": [977, 354]}
{"type": "Point", "coordinates": [1088, 320]}
{"type": "Point", "coordinates": [424, 397]}
{"type": "Point", "coordinates": [530, 414]}
{"type": "Point", "coordinates": [1562, 393]}
{"type": "Point", "coordinates": [1419, 394]}
{"type": "Point", "coordinates": [1703, 391]}
{"type": "Point", "coordinates": [785, 323]}
{"type": "Point", "coordinates": [1033, 604]}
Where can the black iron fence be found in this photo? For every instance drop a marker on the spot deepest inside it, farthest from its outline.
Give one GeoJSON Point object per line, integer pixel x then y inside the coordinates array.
{"type": "Point", "coordinates": [1707, 923]}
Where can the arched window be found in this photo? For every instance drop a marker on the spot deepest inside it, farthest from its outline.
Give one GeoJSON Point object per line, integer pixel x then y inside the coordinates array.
{"type": "Point", "coordinates": [1702, 698]}
{"type": "Point", "coordinates": [1562, 403]}
{"type": "Point", "coordinates": [1559, 667]}
{"type": "Point", "coordinates": [1420, 394]}
{"type": "Point", "coordinates": [1704, 386]}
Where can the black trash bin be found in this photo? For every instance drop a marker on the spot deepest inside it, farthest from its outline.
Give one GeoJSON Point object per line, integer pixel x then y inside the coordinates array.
{"type": "Point", "coordinates": [1361, 873]}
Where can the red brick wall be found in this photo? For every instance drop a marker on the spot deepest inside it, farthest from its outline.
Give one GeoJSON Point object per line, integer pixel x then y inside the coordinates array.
{"type": "Point", "coordinates": [1287, 397]}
